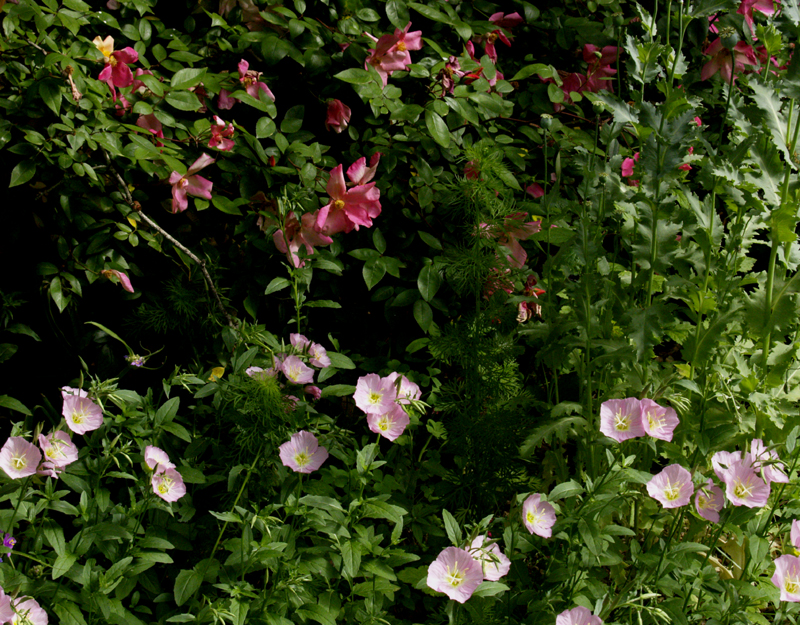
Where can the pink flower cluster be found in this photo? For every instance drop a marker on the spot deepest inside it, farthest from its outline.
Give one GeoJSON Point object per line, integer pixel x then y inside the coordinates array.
{"type": "Point", "coordinates": [382, 399]}
{"type": "Point", "coordinates": [293, 365]}
{"type": "Point", "coordinates": [302, 453]}
{"type": "Point", "coordinates": [596, 78]}
{"type": "Point", "coordinates": [622, 419]}
{"type": "Point", "coordinates": [391, 52]}
{"type": "Point", "coordinates": [167, 483]}
{"type": "Point", "coordinates": [458, 572]}
{"type": "Point", "coordinates": [20, 458]}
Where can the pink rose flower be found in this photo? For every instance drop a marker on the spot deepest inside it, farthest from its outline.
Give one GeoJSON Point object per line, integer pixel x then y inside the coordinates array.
{"type": "Point", "coordinates": [220, 134]}
{"type": "Point", "coordinates": [116, 72]}
{"type": "Point", "coordinates": [190, 184]}
{"type": "Point", "coordinates": [338, 117]}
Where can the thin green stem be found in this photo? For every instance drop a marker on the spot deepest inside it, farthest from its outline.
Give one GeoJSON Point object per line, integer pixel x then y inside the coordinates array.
{"type": "Point", "coordinates": [711, 548]}
{"type": "Point", "coordinates": [19, 501]}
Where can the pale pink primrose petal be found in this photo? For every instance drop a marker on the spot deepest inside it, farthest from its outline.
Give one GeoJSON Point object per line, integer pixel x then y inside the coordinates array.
{"type": "Point", "coordinates": [391, 424]}
{"type": "Point", "coordinates": [538, 516]}
{"type": "Point", "coordinates": [155, 457]}
{"type": "Point", "coordinates": [58, 449]}
{"type": "Point", "coordinates": [297, 371]}
{"type": "Point", "coordinates": [708, 501]}
{"type": "Point", "coordinates": [319, 356]}
{"type": "Point", "coordinates": [19, 458]}
{"type": "Point", "coordinates": [455, 573]}
{"type": "Point", "coordinates": [745, 487]}
{"type": "Point", "coordinates": [787, 577]}
{"type": "Point", "coordinates": [302, 453]}
{"type": "Point", "coordinates": [578, 616]}
{"type": "Point", "coordinates": [795, 534]}
{"type": "Point", "coordinates": [6, 611]}
{"type": "Point", "coordinates": [767, 461]}
{"type": "Point", "coordinates": [27, 611]}
{"type": "Point", "coordinates": [722, 461]}
{"type": "Point", "coordinates": [621, 419]}
{"type": "Point", "coordinates": [82, 414]}
{"type": "Point", "coordinates": [488, 554]}
{"type": "Point", "coordinates": [168, 484]}
{"type": "Point", "coordinates": [406, 391]}
{"type": "Point", "coordinates": [299, 342]}
{"type": "Point", "coordinates": [658, 422]}
{"type": "Point", "coordinates": [672, 486]}
{"type": "Point", "coordinates": [374, 395]}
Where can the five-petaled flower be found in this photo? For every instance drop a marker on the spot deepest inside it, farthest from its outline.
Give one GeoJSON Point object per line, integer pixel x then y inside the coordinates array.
{"type": "Point", "coordinates": [390, 424]}
{"type": "Point", "coordinates": [391, 51]}
{"type": "Point", "coordinates": [116, 73]}
{"type": "Point", "coordinates": [725, 62]}
{"type": "Point", "coordinates": [494, 562]}
{"type": "Point", "coordinates": [658, 422]}
{"type": "Point", "coordinates": [190, 184]}
{"type": "Point", "coordinates": [251, 81]}
{"type": "Point", "coordinates": [350, 208]}
{"type": "Point", "coordinates": [59, 451]}
{"type": "Point", "coordinates": [302, 453]}
{"type": "Point", "coordinates": [455, 573]}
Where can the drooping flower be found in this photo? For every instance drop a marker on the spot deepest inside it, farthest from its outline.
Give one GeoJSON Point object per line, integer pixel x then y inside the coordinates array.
{"type": "Point", "coordinates": [621, 419]}
{"type": "Point", "coordinates": [787, 577]}
{"type": "Point", "coordinates": [455, 573]}
{"type": "Point", "coordinates": [220, 134]}
{"type": "Point", "coordinates": [578, 616]}
{"type": "Point", "coordinates": [82, 414]}
{"type": "Point", "coordinates": [8, 543]}
{"type": "Point", "coordinates": [350, 208]}
{"type": "Point", "coordinates": [338, 117]}
{"type": "Point", "coordinates": [168, 484]}
{"type": "Point", "coordinates": [374, 395]}
{"type": "Point", "coordinates": [151, 124]}
{"type": "Point", "coordinates": [116, 73]}
{"type": "Point", "coordinates": [708, 501]}
{"type": "Point", "coordinates": [59, 451]}
{"type": "Point", "coordinates": [538, 516]}
{"type": "Point", "coordinates": [314, 391]}
{"type": "Point", "coordinates": [726, 62]}
{"type": "Point", "coordinates": [251, 82]}
{"type": "Point", "coordinates": [297, 371]}
{"type": "Point", "coordinates": [27, 611]}
{"type": "Point", "coordinates": [488, 554]}
{"type": "Point", "coordinates": [744, 487]}
{"type": "Point", "coordinates": [319, 356]}
{"type": "Point", "coordinates": [672, 486]}
{"type": "Point", "coordinates": [302, 453]}
{"type": "Point", "coordinates": [406, 390]}
{"type": "Point", "coordinates": [19, 458]}
{"type": "Point", "coordinates": [390, 424]}
{"type": "Point", "coordinates": [658, 422]}
{"type": "Point", "coordinates": [299, 233]}
{"type": "Point", "coordinates": [123, 278]}
{"type": "Point", "coordinates": [157, 459]}
{"type": "Point", "coordinates": [190, 184]}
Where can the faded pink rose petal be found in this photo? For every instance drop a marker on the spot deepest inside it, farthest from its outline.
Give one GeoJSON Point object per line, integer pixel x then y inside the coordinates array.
{"type": "Point", "coordinates": [190, 184]}
{"type": "Point", "coordinates": [220, 134]}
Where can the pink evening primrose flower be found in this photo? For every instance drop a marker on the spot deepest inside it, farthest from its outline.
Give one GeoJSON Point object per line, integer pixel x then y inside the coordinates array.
{"type": "Point", "coordinates": [350, 208]}
{"type": "Point", "coordinates": [767, 460]}
{"type": "Point", "coordinates": [67, 391]}
{"type": "Point", "coordinates": [578, 616]}
{"type": "Point", "coordinates": [406, 391]}
{"type": "Point", "coordinates": [374, 395]}
{"type": "Point", "coordinates": [724, 62]}
{"type": "Point", "coordinates": [795, 534]}
{"type": "Point", "coordinates": [297, 371]}
{"type": "Point", "coordinates": [621, 419]}
{"type": "Point", "coordinates": [123, 278]}
{"type": "Point", "coordinates": [6, 611]}
{"type": "Point", "coordinates": [538, 516]}
{"type": "Point", "coordinates": [319, 356]}
{"type": "Point", "coordinates": [116, 72]}
{"type": "Point", "coordinates": [190, 184]}
{"type": "Point", "coordinates": [58, 449]}
{"type": "Point", "coordinates": [658, 422]}
{"type": "Point", "coordinates": [220, 134]}
{"type": "Point", "coordinates": [338, 116]}
{"type": "Point", "coordinates": [82, 414]}
{"type": "Point", "coordinates": [455, 573]}
{"type": "Point", "coordinates": [787, 577]}
{"type": "Point", "coordinates": [27, 611]}
{"type": "Point", "coordinates": [19, 458]}
{"type": "Point", "coordinates": [488, 554]}
{"type": "Point", "coordinates": [168, 484]}
{"type": "Point", "coordinates": [299, 342]}
{"type": "Point", "coordinates": [302, 453]}
{"type": "Point", "coordinates": [391, 424]}
{"type": "Point", "coordinates": [672, 486]}
{"type": "Point", "coordinates": [708, 501]}
{"type": "Point", "coordinates": [157, 459]}
{"type": "Point", "coordinates": [723, 460]}
{"type": "Point", "coordinates": [744, 487]}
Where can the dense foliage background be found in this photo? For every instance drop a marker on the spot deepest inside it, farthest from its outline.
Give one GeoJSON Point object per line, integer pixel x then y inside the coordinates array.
{"type": "Point", "coordinates": [527, 210]}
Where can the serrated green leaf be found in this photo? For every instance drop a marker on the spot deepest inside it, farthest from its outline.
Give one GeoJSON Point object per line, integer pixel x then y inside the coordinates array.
{"type": "Point", "coordinates": [767, 101]}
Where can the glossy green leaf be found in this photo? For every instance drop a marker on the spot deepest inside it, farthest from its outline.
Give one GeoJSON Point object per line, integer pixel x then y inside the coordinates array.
{"type": "Point", "coordinates": [438, 128]}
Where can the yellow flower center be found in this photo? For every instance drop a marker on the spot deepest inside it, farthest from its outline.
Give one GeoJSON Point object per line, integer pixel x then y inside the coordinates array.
{"type": "Point", "coordinates": [374, 398]}
{"type": "Point", "coordinates": [534, 516]}
{"type": "Point", "coordinates": [19, 462]}
{"type": "Point", "coordinates": [454, 577]}
{"type": "Point", "coordinates": [622, 422]}
{"type": "Point", "coordinates": [672, 491]}
{"type": "Point", "coordinates": [401, 45]}
{"type": "Point", "coordinates": [703, 502]}
{"type": "Point", "coordinates": [742, 490]}
{"type": "Point", "coordinates": [338, 205]}
{"type": "Point", "coordinates": [165, 486]}
{"type": "Point", "coordinates": [77, 417]}
{"type": "Point", "coordinates": [383, 424]}
{"type": "Point", "coordinates": [792, 584]}
{"type": "Point", "coordinates": [654, 422]}
{"type": "Point", "coordinates": [302, 458]}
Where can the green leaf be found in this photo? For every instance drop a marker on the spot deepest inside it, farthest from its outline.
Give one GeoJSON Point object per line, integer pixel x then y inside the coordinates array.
{"type": "Point", "coordinates": [54, 534]}
{"type": "Point", "coordinates": [276, 284]}
{"type": "Point", "coordinates": [376, 509]}
{"type": "Point", "coordinates": [184, 101]}
{"type": "Point", "coordinates": [322, 303]}
{"type": "Point", "coordinates": [373, 272]}
{"type": "Point", "coordinates": [23, 172]}
{"type": "Point", "coordinates": [340, 361]}
{"type": "Point", "coordinates": [51, 94]}
{"type": "Point", "coordinates": [430, 13]}
{"type": "Point", "coordinates": [14, 404]}
{"type": "Point", "coordinates": [438, 128]}
{"type": "Point", "coordinates": [428, 282]}
{"type": "Point", "coordinates": [544, 71]}
{"type": "Point", "coordinates": [430, 240]}
{"type": "Point", "coordinates": [61, 300]}
{"type": "Point", "coordinates": [225, 205]}
{"type": "Point", "coordinates": [767, 100]}
{"type": "Point", "coordinates": [186, 584]}
{"type": "Point", "coordinates": [265, 127]}
{"type": "Point", "coordinates": [68, 613]}
{"type": "Point", "coordinates": [452, 528]}
{"type": "Point", "coordinates": [423, 314]}
{"type": "Point", "coordinates": [351, 557]}
{"type": "Point", "coordinates": [338, 390]}
{"type": "Point", "coordinates": [324, 503]}
{"type": "Point", "coordinates": [63, 564]}
{"type": "Point", "coordinates": [7, 350]}
{"type": "Point", "coordinates": [489, 589]}
{"type": "Point", "coordinates": [645, 327]}
{"type": "Point", "coordinates": [545, 432]}
{"type": "Point", "coordinates": [354, 76]}
{"type": "Point", "coordinates": [317, 613]}
{"type": "Point", "coordinates": [565, 490]}
{"type": "Point", "coordinates": [407, 112]}
{"type": "Point", "coordinates": [187, 77]}
{"type": "Point", "coordinates": [397, 12]}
